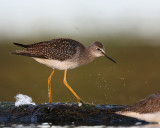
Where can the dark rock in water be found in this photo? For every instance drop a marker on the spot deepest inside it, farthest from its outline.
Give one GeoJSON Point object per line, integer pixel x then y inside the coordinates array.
{"type": "Point", "coordinates": [65, 114]}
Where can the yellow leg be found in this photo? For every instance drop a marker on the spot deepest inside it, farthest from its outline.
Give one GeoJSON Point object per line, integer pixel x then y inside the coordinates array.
{"type": "Point", "coordinates": [49, 86]}
{"type": "Point", "coordinates": [65, 82]}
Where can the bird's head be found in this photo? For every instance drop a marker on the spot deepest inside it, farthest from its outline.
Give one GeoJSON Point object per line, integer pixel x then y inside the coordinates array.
{"type": "Point", "coordinates": [98, 50]}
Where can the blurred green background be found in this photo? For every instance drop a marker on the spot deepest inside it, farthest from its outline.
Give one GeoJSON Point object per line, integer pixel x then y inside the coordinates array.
{"type": "Point", "coordinates": [129, 33]}
{"type": "Point", "coordinates": [135, 76]}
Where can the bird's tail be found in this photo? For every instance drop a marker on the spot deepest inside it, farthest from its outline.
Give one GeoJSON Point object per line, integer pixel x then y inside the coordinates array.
{"type": "Point", "coordinates": [21, 45]}
{"type": "Point", "coordinates": [21, 52]}
{"type": "Point", "coordinates": [27, 51]}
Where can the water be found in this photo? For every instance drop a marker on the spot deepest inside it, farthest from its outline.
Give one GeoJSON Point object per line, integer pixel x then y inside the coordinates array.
{"type": "Point", "coordinates": [23, 100]}
{"type": "Point", "coordinates": [134, 77]}
{"type": "Point", "coordinates": [101, 82]}
{"type": "Point", "coordinates": [47, 125]}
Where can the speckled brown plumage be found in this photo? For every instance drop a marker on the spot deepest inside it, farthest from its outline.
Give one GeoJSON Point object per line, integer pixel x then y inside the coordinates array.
{"type": "Point", "coordinates": [63, 53]}
{"type": "Point", "coordinates": [57, 49]}
{"type": "Point", "coordinates": [150, 104]}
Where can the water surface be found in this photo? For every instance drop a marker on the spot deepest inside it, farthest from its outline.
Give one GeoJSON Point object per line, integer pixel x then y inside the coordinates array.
{"type": "Point", "coordinates": [135, 76]}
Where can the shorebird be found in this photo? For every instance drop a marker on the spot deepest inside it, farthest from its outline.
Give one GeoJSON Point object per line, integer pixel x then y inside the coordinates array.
{"type": "Point", "coordinates": [62, 54]}
{"type": "Point", "coordinates": [147, 109]}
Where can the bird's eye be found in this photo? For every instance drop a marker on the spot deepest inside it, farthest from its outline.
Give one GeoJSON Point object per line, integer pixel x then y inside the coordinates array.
{"type": "Point", "coordinates": [98, 49]}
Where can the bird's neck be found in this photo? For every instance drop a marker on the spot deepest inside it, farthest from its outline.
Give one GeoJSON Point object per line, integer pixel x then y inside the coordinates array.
{"type": "Point", "coordinates": [89, 54]}
{"type": "Point", "coordinates": [86, 56]}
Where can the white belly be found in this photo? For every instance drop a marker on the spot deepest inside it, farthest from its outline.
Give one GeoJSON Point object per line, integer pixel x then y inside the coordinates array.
{"type": "Point", "coordinates": [61, 65]}
{"type": "Point", "coordinates": [150, 117]}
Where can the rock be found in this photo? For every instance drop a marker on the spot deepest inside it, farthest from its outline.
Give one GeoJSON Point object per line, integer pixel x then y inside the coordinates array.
{"type": "Point", "coordinates": [66, 114]}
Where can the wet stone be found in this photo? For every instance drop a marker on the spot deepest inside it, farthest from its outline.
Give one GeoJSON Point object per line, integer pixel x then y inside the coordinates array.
{"type": "Point", "coordinates": [65, 114]}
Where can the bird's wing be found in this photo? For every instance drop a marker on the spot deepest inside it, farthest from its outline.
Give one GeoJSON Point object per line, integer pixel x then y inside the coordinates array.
{"type": "Point", "coordinates": [58, 49]}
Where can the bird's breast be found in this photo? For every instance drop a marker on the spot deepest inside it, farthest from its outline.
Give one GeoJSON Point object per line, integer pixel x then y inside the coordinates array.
{"type": "Point", "coordinates": [61, 65]}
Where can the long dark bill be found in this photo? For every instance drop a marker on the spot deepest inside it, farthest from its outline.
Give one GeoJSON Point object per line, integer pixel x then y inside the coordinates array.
{"type": "Point", "coordinates": [109, 58]}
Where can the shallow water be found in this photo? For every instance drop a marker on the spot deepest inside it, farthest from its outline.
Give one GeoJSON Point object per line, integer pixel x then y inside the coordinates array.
{"type": "Point", "coordinates": [46, 125]}
{"type": "Point", "coordinates": [101, 82]}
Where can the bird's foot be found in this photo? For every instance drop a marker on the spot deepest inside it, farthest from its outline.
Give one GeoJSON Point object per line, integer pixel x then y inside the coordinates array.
{"type": "Point", "coordinates": [83, 102]}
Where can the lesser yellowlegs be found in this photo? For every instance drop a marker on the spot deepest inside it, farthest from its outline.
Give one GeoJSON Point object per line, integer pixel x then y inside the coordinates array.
{"type": "Point", "coordinates": [62, 54]}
